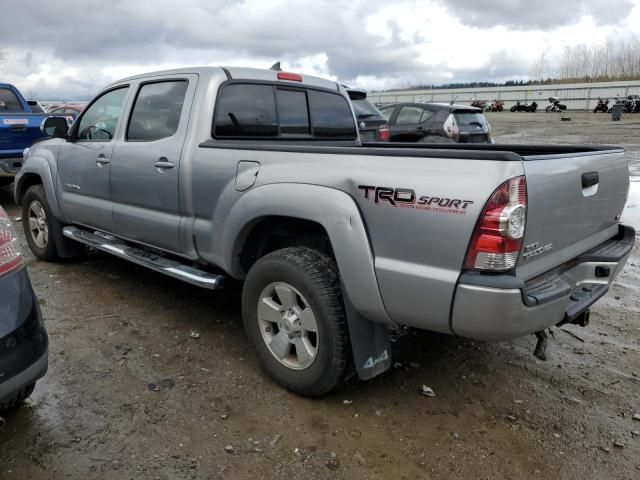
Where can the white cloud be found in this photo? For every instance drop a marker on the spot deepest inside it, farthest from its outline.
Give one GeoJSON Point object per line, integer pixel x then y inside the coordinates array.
{"type": "Point", "coordinates": [71, 51]}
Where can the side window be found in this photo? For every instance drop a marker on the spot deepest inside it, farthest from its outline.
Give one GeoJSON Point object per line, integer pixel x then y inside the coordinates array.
{"type": "Point", "coordinates": [156, 112]}
{"type": "Point", "coordinates": [426, 115]}
{"type": "Point", "coordinates": [387, 112]}
{"type": "Point", "coordinates": [246, 111]}
{"type": "Point", "coordinates": [293, 112]}
{"type": "Point", "coordinates": [99, 121]}
{"type": "Point", "coordinates": [409, 116]}
{"type": "Point", "coordinates": [9, 102]}
{"type": "Point", "coordinates": [331, 116]}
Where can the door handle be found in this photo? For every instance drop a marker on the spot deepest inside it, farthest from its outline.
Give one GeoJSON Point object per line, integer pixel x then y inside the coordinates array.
{"type": "Point", "coordinates": [102, 160]}
{"type": "Point", "coordinates": [164, 164]}
{"type": "Point", "coordinates": [590, 179]}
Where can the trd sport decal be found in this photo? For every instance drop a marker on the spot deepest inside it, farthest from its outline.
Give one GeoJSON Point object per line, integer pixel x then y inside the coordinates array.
{"type": "Point", "coordinates": [407, 198]}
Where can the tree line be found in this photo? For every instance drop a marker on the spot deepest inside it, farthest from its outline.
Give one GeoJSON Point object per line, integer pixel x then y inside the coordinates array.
{"type": "Point", "coordinates": [612, 60]}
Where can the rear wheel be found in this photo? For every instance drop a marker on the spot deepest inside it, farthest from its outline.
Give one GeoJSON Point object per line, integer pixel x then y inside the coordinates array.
{"type": "Point", "coordinates": [512, 109]}
{"type": "Point", "coordinates": [294, 317]}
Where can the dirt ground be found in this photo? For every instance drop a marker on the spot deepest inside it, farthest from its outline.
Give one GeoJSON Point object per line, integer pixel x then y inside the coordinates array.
{"type": "Point", "coordinates": [498, 413]}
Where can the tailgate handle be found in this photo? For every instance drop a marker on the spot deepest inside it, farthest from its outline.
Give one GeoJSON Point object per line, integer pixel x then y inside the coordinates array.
{"type": "Point", "coordinates": [18, 128]}
{"type": "Point", "coordinates": [590, 179]}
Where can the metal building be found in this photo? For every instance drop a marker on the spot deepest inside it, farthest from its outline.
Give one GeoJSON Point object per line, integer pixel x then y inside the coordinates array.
{"type": "Point", "coordinates": [577, 96]}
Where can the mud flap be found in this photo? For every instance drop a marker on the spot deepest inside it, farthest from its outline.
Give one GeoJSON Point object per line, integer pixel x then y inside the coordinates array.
{"type": "Point", "coordinates": [370, 343]}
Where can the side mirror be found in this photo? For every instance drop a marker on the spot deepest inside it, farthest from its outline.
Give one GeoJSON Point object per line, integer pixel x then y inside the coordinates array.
{"type": "Point", "coordinates": [55, 127]}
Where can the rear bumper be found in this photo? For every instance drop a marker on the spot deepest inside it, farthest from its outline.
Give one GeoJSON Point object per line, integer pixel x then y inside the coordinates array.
{"type": "Point", "coordinates": [501, 307]}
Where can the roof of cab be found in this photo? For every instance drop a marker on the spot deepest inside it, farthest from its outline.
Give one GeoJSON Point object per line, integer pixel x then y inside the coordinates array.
{"type": "Point", "coordinates": [240, 73]}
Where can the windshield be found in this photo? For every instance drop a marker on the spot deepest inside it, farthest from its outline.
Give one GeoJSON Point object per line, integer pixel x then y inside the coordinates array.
{"type": "Point", "coordinates": [364, 108]}
{"type": "Point", "coordinates": [470, 118]}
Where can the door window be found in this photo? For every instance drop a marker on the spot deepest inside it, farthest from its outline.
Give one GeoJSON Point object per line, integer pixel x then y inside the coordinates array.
{"type": "Point", "coordinates": [387, 112]}
{"type": "Point", "coordinates": [409, 116]}
{"type": "Point", "coordinates": [156, 112]}
{"type": "Point", "coordinates": [426, 115]}
{"type": "Point", "coordinates": [99, 122]}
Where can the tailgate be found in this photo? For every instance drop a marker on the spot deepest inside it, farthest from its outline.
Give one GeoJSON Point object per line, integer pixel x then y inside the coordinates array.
{"type": "Point", "coordinates": [18, 131]}
{"type": "Point", "coordinates": [574, 203]}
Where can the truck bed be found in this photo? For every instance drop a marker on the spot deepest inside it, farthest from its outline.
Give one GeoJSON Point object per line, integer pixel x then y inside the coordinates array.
{"type": "Point", "coordinates": [506, 152]}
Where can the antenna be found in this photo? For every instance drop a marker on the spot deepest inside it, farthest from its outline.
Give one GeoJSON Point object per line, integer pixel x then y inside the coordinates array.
{"type": "Point", "coordinates": [276, 67]}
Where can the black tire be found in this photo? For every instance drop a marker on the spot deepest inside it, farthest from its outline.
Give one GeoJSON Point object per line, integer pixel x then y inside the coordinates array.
{"type": "Point", "coordinates": [512, 109]}
{"type": "Point", "coordinates": [19, 397]}
{"type": "Point", "coordinates": [57, 246]}
{"type": "Point", "coordinates": [315, 276]}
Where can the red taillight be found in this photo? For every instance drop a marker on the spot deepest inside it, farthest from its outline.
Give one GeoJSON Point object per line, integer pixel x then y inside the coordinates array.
{"type": "Point", "coordinates": [10, 257]}
{"type": "Point", "coordinates": [383, 134]}
{"type": "Point", "coordinates": [497, 239]}
{"type": "Point", "coordinates": [293, 77]}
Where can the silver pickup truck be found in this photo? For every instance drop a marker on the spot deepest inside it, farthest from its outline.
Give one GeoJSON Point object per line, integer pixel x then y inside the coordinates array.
{"type": "Point", "coordinates": [260, 175]}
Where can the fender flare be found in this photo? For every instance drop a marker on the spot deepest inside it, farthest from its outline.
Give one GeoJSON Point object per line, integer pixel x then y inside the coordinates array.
{"type": "Point", "coordinates": [38, 166]}
{"type": "Point", "coordinates": [336, 212]}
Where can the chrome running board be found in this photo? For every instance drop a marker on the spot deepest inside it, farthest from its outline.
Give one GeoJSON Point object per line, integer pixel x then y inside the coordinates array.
{"type": "Point", "coordinates": [119, 248]}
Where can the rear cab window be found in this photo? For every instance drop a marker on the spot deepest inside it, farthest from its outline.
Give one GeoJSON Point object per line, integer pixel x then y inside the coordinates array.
{"type": "Point", "coordinates": [9, 102]}
{"type": "Point", "coordinates": [274, 111]}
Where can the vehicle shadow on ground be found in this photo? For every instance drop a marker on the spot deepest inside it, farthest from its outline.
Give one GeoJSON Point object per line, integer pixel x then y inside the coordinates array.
{"type": "Point", "coordinates": [6, 195]}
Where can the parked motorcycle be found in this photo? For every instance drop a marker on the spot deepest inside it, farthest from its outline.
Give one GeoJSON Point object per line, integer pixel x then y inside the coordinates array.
{"type": "Point", "coordinates": [632, 105]}
{"type": "Point", "coordinates": [618, 101]}
{"type": "Point", "coordinates": [602, 106]}
{"type": "Point", "coordinates": [495, 106]}
{"type": "Point", "coordinates": [555, 105]}
{"type": "Point", "coordinates": [479, 104]}
{"type": "Point", "coordinates": [524, 107]}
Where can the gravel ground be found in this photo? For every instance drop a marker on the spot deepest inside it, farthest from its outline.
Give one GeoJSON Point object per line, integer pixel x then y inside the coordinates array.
{"type": "Point", "coordinates": [498, 412]}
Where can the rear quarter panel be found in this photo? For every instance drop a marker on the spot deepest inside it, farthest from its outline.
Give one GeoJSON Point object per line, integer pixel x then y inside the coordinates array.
{"type": "Point", "coordinates": [418, 252]}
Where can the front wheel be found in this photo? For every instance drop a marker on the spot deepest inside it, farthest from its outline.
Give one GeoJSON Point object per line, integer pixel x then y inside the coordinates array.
{"type": "Point", "coordinates": [512, 109]}
{"type": "Point", "coordinates": [43, 231]}
{"type": "Point", "coordinates": [294, 316]}
{"type": "Point", "coordinates": [548, 109]}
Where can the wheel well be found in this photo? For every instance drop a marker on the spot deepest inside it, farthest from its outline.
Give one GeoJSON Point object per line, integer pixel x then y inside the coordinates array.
{"type": "Point", "coordinates": [28, 180]}
{"type": "Point", "coordinates": [273, 233]}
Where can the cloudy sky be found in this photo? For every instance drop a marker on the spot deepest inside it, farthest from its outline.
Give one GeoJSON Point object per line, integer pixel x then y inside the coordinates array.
{"type": "Point", "coordinates": [68, 49]}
